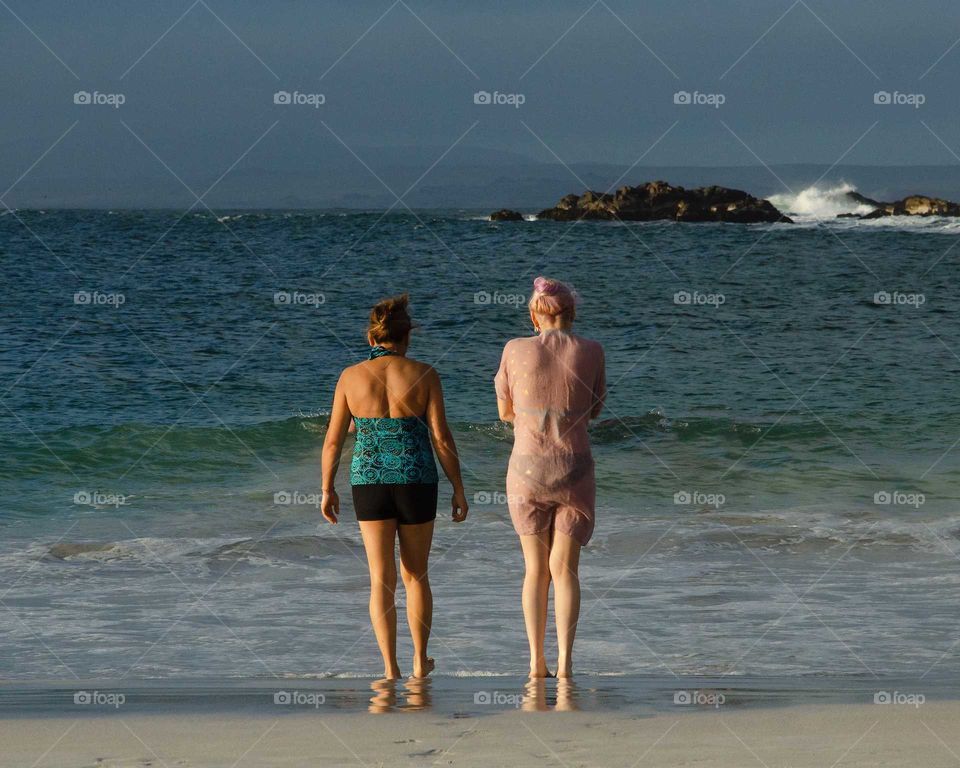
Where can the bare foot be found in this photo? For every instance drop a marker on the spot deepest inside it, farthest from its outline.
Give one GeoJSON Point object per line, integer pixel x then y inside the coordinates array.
{"type": "Point", "coordinates": [392, 674]}
{"type": "Point", "coordinates": [423, 668]}
{"type": "Point", "coordinates": [540, 671]}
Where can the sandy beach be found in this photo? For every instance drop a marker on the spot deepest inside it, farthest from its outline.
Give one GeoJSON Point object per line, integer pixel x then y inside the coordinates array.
{"type": "Point", "coordinates": [853, 735]}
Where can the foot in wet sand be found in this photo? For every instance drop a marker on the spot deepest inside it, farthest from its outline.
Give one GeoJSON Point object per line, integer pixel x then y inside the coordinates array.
{"type": "Point", "coordinates": [423, 667]}
{"type": "Point", "coordinates": [540, 670]}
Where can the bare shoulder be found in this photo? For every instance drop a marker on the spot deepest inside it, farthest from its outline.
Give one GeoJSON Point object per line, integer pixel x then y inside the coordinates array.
{"type": "Point", "coordinates": [350, 373]}
{"type": "Point", "coordinates": [422, 370]}
{"type": "Point", "coordinates": [412, 369]}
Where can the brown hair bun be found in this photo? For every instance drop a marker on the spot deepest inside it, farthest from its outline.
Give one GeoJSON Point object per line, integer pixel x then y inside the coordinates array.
{"type": "Point", "coordinates": [389, 319]}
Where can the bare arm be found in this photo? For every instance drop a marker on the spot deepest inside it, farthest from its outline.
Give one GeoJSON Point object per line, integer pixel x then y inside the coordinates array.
{"type": "Point", "coordinates": [505, 407]}
{"type": "Point", "coordinates": [444, 445]}
{"type": "Point", "coordinates": [332, 448]}
{"type": "Point", "coordinates": [501, 384]}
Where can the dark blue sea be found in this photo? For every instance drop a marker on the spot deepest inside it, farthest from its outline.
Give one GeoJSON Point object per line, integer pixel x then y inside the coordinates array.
{"type": "Point", "coordinates": [777, 465]}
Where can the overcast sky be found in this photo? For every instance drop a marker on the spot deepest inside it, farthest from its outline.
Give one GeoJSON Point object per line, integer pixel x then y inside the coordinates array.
{"type": "Point", "coordinates": [598, 83]}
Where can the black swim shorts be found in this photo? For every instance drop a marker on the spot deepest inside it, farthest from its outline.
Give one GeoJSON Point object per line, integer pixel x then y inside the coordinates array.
{"type": "Point", "coordinates": [407, 503]}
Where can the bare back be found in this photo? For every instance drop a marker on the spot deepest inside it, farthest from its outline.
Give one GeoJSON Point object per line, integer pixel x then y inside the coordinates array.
{"type": "Point", "coordinates": [390, 386]}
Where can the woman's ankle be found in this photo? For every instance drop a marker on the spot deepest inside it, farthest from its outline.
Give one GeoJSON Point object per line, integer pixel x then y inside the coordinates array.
{"type": "Point", "coordinates": [422, 666]}
{"type": "Point", "coordinates": [391, 670]}
{"type": "Point", "coordinates": [538, 667]}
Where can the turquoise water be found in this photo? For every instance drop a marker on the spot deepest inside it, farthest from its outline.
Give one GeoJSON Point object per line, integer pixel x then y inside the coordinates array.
{"type": "Point", "coordinates": [187, 404]}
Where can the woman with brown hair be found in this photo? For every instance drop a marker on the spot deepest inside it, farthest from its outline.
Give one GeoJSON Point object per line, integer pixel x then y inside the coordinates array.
{"type": "Point", "coordinates": [396, 404]}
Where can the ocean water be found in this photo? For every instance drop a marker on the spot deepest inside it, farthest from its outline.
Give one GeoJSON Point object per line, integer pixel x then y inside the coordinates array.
{"type": "Point", "coordinates": [777, 466]}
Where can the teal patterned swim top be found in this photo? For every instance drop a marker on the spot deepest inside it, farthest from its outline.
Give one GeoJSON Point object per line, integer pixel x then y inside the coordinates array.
{"type": "Point", "coordinates": [391, 450]}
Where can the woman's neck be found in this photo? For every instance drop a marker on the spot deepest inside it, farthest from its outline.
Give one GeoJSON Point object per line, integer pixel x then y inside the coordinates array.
{"type": "Point", "coordinates": [566, 327]}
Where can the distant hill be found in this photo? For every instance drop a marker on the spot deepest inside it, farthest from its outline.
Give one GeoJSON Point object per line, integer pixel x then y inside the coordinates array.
{"type": "Point", "coordinates": [469, 177]}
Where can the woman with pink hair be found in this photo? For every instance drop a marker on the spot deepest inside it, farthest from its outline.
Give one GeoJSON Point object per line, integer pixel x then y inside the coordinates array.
{"type": "Point", "coordinates": [550, 385]}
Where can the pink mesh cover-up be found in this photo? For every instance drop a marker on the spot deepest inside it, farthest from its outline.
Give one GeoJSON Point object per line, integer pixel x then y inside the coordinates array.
{"type": "Point", "coordinates": [556, 383]}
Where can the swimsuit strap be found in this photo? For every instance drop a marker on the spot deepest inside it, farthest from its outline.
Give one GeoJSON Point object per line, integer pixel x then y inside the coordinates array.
{"type": "Point", "coordinates": [379, 351]}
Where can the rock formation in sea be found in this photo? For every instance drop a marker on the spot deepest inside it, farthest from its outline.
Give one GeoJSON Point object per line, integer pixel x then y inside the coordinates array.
{"type": "Point", "coordinates": [505, 214]}
{"type": "Point", "coordinates": [659, 200]}
{"type": "Point", "coordinates": [914, 205]}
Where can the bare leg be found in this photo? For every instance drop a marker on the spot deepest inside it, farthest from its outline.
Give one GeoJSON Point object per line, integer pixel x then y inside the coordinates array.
{"type": "Point", "coordinates": [564, 568]}
{"type": "Point", "coordinates": [415, 543]}
{"type": "Point", "coordinates": [379, 540]}
{"type": "Point", "coordinates": [536, 591]}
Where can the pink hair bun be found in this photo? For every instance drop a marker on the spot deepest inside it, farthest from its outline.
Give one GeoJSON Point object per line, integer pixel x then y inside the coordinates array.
{"type": "Point", "coordinates": [552, 297]}
{"type": "Point", "coordinates": [546, 286]}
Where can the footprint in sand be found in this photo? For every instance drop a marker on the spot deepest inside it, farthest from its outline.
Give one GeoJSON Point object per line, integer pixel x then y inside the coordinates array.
{"type": "Point", "coordinates": [427, 753]}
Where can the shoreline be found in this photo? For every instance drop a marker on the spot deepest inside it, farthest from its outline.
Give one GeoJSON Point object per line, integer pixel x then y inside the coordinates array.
{"type": "Point", "coordinates": [459, 696]}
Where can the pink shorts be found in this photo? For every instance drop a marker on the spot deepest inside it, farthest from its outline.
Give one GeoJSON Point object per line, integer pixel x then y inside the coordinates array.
{"type": "Point", "coordinates": [566, 506]}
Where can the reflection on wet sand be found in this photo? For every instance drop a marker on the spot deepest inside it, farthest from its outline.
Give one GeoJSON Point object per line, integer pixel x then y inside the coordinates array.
{"type": "Point", "coordinates": [535, 697]}
{"type": "Point", "coordinates": [416, 692]}
{"type": "Point", "coordinates": [566, 696]}
{"type": "Point", "coordinates": [384, 697]}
